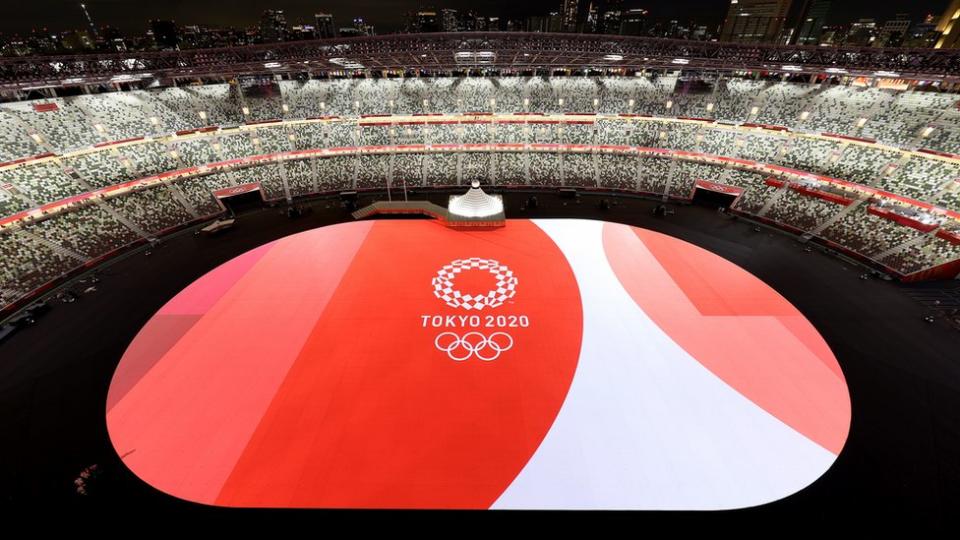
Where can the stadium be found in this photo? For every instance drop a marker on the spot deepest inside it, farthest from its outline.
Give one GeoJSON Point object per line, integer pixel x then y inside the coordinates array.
{"type": "Point", "coordinates": [722, 277]}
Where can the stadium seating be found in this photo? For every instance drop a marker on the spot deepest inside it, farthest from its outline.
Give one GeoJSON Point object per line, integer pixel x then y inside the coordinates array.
{"type": "Point", "coordinates": [101, 140]}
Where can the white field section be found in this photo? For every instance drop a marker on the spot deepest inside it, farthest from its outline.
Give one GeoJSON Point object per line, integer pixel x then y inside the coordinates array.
{"type": "Point", "coordinates": [646, 426]}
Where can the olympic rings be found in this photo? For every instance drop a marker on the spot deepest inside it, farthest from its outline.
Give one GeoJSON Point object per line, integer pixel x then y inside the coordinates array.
{"type": "Point", "coordinates": [473, 343]}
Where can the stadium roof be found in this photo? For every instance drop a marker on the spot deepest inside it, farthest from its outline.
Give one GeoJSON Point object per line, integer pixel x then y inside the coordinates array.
{"type": "Point", "coordinates": [494, 51]}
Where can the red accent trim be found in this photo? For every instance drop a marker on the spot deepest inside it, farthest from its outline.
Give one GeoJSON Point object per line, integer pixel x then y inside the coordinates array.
{"type": "Point", "coordinates": [939, 153]}
{"type": "Point", "coordinates": [829, 197]}
{"type": "Point", "coordinates": [901, 219]}
{"type": "Point", "coordinates": [236, 190]}
{"type": "Point", "coordinates": [952, 237]}
{"type": "Point", "coordinates": [771, 181]}
{"type": "Point", "coordinates": [718, 187]}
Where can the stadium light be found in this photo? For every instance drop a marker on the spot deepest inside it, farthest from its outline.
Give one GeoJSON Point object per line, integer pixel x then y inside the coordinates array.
{"type": "Point", "coordinates": [886, 74]}
{"type": "Point", "coordinates": [680, 61]}
{"type": "Point", "coordinates": [271, 65]}
{"type": "Point", "coordinates": [792, 68]}
{"type": "Point", "coordinates": [613, 57]}
{"type": "Point", "coordinates": [836, 70]}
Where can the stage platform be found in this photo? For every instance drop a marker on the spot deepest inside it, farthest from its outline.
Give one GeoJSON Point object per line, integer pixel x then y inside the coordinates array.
{"type": "Point", "coordinates": [549, 364]}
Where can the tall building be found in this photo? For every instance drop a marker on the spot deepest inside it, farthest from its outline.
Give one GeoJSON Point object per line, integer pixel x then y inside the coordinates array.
{"type": "Point", "coordinates": [923, 35]}
{"type": "Point", "coordinates": [165, 34]}
{"type": "Point", "coordinates": [949, 27]}
{"type": "Point", "coordinates": [362, 27]}
{"type": "Point", "coordinates": [894, 32]}
{"type": "Point", "coordinates": [810, 20]}
{"type": "Point", "coordinates": [755, 21]}
{"type": "Point", "coordinates": [425, 21]}
{"type": "Point", "coordinates": [611, 17]}
{"type": "Point", "coordinates": [861, 33]}
{"type": "Point", "coordinates": [273, 25]}
{"type": "Point", "coordinates": [633, 22]}
{"type": "Point", "coordinates": [323, 26]}
{"type": "Point", "coordinates": [569, 11]}
{"type": "Point", "coordinates": [76, 40]}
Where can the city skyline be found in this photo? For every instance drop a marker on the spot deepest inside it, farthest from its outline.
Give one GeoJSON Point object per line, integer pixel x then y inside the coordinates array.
{"type": "Point", "coordinates": [388, 16]}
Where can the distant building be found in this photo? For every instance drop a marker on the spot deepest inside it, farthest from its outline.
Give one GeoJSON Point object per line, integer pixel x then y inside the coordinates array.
{"type": "Point", "coordinates": [634, 22]}
{"type": "Point", "coordinates": [949, 27]}
{"type": "Point", "coordinates": [536, 23]}
{"type": "Point", "coordinates": [323, 26]}
{"type": "Point", "coordinates": [300, 32]}
{"type": "Point", "coordinates": [810, 20]}
{"type": "Point", "coordinates": [362, 27]}
{"type": "Point", "coordinates": [893, 32]}
{"type": "Point", "coordinates": [861, 33]}
{"type": "Point", "coordinates": [923, 35]}
{"type": "Point", "coordinates": [570, 15]}
{"type": "Point", "coordinates": [74, 41]}
{"type": "Point", "coordinates": [273, 25]}
{"type": "Point", "coordinates": [449, 22]}
{"type": "Point", "coordinates": [426, 21]}
{"type": "Point", "coordinates": [166, 35]}
{"type": "Point", "coordinates": [755, 21]}
{"type": "Point", "coordinates": [111, 39]}
{"type": "Point", "coordinates": [611, 17]}
{"type": "Point", "coordinates": [554, 22]}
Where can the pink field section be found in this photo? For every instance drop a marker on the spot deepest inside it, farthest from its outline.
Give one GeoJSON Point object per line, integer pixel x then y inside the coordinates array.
{"type": "Point", "coordinates": [737, 327]}
{"type": "Point", "coordinates": [186, 420]}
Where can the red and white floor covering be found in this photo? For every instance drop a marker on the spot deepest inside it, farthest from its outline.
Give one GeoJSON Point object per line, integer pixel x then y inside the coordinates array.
{"type": "Point", "coordinates": [550, 364]}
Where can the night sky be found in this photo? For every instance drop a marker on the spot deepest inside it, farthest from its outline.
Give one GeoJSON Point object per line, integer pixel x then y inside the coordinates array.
{"type": "Point", "coordinates": [130, 16]}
